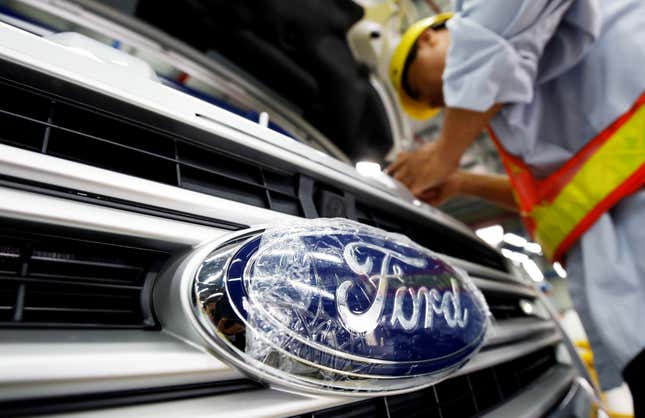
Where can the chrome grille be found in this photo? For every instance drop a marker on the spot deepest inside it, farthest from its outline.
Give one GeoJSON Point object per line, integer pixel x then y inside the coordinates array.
{"type": "Point", "coordinates": [63, 405]}
{"type": "Point", "coordinates": [42, 123]}
{"type": "Point", "coordinates": [35, 127]}
{"type": "Point", "coordinates": [462, 396]}
{"type": "Point", "coordinates": [40, 119]}
{"type": "Point", "coordinates": [54, 281]}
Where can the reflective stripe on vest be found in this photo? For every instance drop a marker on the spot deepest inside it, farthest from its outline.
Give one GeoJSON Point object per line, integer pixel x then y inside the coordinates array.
{"type": "Point", "coordinates": [559, 209]}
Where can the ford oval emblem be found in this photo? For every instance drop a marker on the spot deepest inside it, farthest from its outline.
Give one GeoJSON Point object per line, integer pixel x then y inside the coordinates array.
{"type": "Point", "coordinates": [334, 305]}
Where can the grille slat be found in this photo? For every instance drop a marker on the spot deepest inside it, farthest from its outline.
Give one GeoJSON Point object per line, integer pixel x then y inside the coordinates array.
{"type": "Point", "coordinates": [110, 143]}
{"type": "Point", "coordinates": [64, 281]}
{"type": "Point", "coordinates": [462, 396]}
{"type": "Point", "coordinates": [422, 403]}
{"type": "Point", "coordinates": [82, 275]}
{"type": "Point", "coordinates": [55, 259]}
{"type": "Point", "coordinates": [193, 156]}
{"type": "Point", "coordinates": [51, 281]}
{"type": "Point", "coordinates": [504, 306]}
{"type": "Point", "coordinates": [373, 408]}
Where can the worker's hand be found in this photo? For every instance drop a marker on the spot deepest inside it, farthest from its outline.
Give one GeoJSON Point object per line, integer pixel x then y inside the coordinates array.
{"type": "Point", "coordinates": [443, 192]}
{"type": "Point", "coordinates": [423, 169]}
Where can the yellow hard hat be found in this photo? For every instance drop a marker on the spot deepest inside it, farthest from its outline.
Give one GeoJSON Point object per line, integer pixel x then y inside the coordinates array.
{"type": "Point", "coordinates": [412, 107]}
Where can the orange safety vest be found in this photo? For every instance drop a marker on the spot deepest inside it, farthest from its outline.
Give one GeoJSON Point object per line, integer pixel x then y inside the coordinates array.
{"type": "Point", "coordinates": [557, 210]}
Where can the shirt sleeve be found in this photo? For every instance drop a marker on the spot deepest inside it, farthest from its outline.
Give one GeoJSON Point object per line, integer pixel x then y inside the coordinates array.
{"type": "Point", "coordinates": [497, 47]}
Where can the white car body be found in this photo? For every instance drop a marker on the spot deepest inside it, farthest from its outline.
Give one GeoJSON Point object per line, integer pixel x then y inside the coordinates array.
{"type": "Point", "coordinates": [155, 372]}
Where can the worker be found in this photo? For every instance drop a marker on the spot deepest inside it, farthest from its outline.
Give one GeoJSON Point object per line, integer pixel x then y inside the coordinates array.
{"type": "Point", "coordinates": [560, 84]}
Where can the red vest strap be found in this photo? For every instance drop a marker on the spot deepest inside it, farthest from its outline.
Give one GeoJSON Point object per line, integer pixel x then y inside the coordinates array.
{"type": "Point", "coordinates": [551, 186]}
{"type": "Point", "coordinates": [560, 208]}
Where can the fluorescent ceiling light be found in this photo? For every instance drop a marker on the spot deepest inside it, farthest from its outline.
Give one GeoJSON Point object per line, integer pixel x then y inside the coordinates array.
{"type": "Point", "coordinates": [533, 247]}
{"type": "Point", "coordinates": [514, 240]}
{"type": "Point", "coordinates": [527, 306]}
{"type": "Point", "coordinates": [559, 269]}
{"type": "Point", "coordinates": [533, 270]}
{"type": "Point", "coordinates": [514, 255]}
{"type": "Point", "coordinates": [493, 235]}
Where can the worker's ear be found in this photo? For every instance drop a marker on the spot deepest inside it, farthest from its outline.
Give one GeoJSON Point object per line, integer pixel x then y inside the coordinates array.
{"type": "Point", "coordinates": [428, 37]}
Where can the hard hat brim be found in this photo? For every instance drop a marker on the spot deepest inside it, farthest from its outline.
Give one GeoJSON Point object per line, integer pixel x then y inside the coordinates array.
{"type": "Point", "coordinates": [416, 109]}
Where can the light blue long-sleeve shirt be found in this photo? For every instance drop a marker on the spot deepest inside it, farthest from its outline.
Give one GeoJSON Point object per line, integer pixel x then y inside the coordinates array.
{"type": "Point", "coordinates": [565, 70]}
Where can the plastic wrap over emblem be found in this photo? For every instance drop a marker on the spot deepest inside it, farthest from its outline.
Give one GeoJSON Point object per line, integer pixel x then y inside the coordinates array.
{"type": "Point", "coordinates": [333, 305]}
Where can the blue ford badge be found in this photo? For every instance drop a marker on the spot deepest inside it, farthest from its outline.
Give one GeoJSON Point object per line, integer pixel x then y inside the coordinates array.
{"type": "Point", "coordinates": [333, 305]}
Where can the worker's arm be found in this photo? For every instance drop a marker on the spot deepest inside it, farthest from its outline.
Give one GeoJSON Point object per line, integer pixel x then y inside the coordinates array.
{"type": "Point", "coordinates": [433, 163]}
{"type": "Point", "coordinates": [493, 188]}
